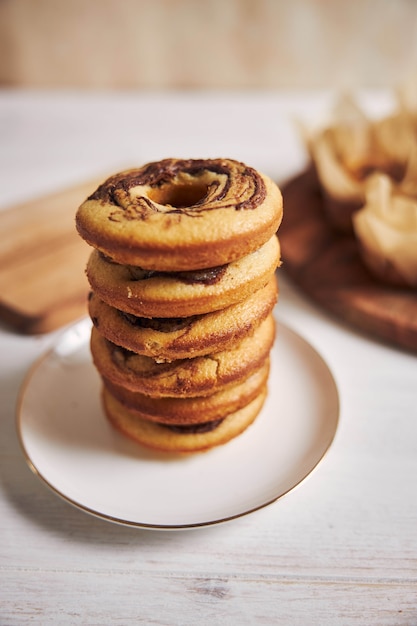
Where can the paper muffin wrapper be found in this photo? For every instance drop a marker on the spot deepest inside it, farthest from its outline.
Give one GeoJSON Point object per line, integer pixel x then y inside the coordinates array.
{"type": "Point", "coordinates": [349, 149]}
{"type": "Point", "coordinates": [407, 98]}
{"type": "Point", "coordinates": [386, 230]}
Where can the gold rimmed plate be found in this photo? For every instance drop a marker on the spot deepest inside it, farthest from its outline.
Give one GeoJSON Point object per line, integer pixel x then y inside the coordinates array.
{"type": "Point", "coordinates": [71, 447]}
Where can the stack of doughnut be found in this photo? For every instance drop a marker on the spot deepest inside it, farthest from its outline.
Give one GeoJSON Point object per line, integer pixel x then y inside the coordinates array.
{"type": "Point", "coordinates": [183, 288]}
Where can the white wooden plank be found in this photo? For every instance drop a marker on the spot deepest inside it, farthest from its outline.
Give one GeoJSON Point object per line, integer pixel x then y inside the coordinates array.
{"type": "Point", "coordinates": [166, 598]}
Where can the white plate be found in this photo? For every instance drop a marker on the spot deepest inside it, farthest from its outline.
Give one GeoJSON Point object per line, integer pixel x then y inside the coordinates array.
{"type": "Point", "coordinates": [69, 444]}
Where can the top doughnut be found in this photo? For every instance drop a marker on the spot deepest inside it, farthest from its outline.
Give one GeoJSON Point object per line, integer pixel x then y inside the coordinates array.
{"type": "Point", "coordinates": [181, 214]}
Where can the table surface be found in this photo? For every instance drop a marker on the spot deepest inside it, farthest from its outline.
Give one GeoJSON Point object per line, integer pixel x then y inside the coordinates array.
{"type": "Point", "coordinates": [339, 549]}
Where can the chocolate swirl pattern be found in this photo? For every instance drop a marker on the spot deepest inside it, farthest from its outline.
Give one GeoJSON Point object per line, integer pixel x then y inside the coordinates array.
{"type": "Point", "coordinates": [190, 186]}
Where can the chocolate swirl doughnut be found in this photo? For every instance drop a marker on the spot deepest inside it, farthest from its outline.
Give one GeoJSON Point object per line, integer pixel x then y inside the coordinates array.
{"type": "Point", "coordinates": [159, 437]}
{"type": "Point", "coordinates": [199, 376]}
{"type": "Point", "coordinates": [181, 214]}
{"type": "Point", "coordinates": [192, 411]}
{"type": "Point", "coordinates": [170, 296]}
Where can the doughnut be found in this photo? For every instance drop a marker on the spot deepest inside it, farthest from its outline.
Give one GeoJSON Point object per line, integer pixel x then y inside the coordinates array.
{"type": "Point", "coordinates": [183, 288]}
{"type": "Point", "coordinates": [181, 214]}
{"type": "Point", "coordinates": [191, 377]}
{"type": "Point", "coordinates": [192, 410]}
{"type": "Point", "coordinates": [177, 439]}
{"type": "Point", "coordinates": [174, 294]}
{"type": "Point", "coordinates": [168, 339]}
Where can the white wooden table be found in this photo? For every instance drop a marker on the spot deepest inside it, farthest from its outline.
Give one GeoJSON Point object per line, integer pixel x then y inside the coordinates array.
{"type": "Point", "coordinates": [341, 548]}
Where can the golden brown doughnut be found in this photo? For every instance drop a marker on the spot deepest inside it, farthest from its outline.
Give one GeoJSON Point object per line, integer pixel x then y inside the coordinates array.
{"type": "Point", "coordinates": [164, 438]}
{"type": "Point", "coordinates": [199, 376]}
{"type": "Point", "coordinates": [168, 339]}
{"type": "Point", "coordinates": [171, 294]}
{"type": "Point", "coordinates": [192, 410]}
{"type": "Point", "coordinates": [181, 214]}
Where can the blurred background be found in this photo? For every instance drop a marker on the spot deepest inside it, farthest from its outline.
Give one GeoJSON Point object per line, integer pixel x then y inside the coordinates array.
{"type": "Point", "coordinates": [207, 44]}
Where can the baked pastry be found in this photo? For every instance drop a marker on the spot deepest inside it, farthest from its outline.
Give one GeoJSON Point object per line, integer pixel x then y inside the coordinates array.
{"type": "Point", "coordinates": [183, 289]}
{"type": "Point", "coordinates": [181, 214]}
{"type": "Point", "coordinates": [170, 438]}
{"type": "Point", "coordinates": [195, 410]}
{"type": "Point", "coordinates": [386, 231]}
{"type": "Point", "coordinates": [186, 377]}
{"type": "Point", "coordinates": [169, 339]}
{"type": "Point", "coordinates": [348, 150]}
{"type": "Point", "coordinates": [181, 294]}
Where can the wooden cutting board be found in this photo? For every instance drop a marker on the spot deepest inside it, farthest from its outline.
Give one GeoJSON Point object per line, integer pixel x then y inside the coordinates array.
{"type": "Point", "coordinates": [327, 267]}
{"type": "Point", "coordinates": [42, 262]}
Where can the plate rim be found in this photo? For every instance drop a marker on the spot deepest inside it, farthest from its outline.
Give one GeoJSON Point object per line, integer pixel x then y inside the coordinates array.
{"type": "Point", "coordinates": [33, 368]}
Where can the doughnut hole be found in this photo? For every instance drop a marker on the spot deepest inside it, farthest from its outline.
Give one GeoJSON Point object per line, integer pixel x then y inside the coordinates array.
{"type": "Point", "coordinates": [180, 195]}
